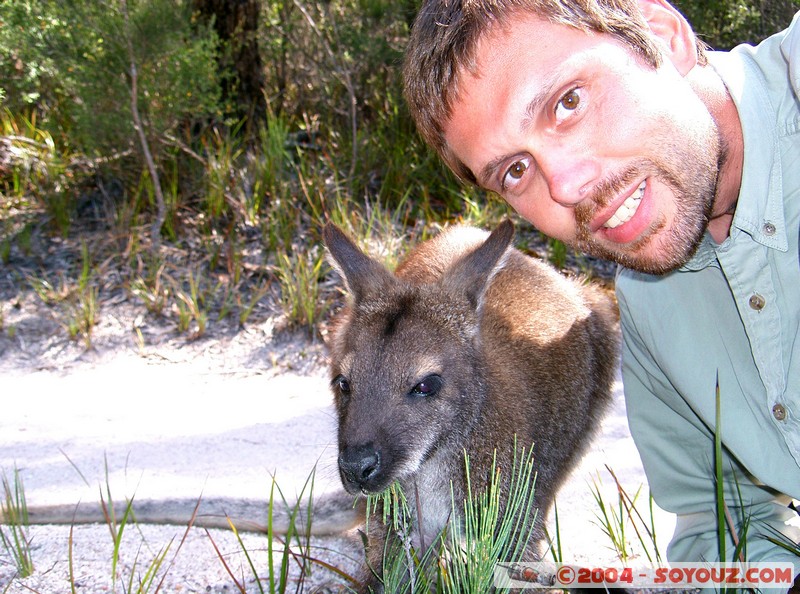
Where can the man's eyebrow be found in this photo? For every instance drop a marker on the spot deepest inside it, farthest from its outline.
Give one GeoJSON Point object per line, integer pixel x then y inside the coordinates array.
{"type": "Point", "coordinates": [531, 109]}
{"type": "Point", "coordinates": [489, 170]}
{"type": "Point", "coordinates": [535, 104]}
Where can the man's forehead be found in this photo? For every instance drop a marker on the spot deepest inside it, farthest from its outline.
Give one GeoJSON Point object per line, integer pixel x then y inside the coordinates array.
{"type": "Point", "coordinates": [530, 55]}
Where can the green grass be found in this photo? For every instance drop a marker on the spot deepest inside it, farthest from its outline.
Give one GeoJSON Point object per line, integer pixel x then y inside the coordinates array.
{"type": "Point", "coordinates": [617, 518]}
{"type": "Point", "coordinates": [292, 548]}
{"type": "Point", "coordinates": [282, 182]}
{"type": "Point", "coordinates": [727, 527]}
{"type": "Point", "coordinates": [74, 297]}
{"type": "Point", "coordinates": [613, 520]}
{"type": "Point", "coordinates": [621, 520]}
{"type": "Point", "coordinates": [460, 559]}
{"type": "Point", "coordinates": [83, 311]}
{"type": "Point", "coordinates": [464, 556]}
{"type": "Point", "coordinates": [300, 275]}
{"type": "Point", "coordinates": [191, 306]}
{"type": "Point", "coordinates": [14, 533]}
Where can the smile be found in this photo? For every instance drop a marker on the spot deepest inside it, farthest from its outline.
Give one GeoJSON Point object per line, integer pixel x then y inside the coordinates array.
{"type": "Point", "coordinates": [628, 209]}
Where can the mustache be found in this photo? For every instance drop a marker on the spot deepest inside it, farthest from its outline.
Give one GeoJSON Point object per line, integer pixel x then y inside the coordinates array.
{"type": "Point", "coordinates": [604, 192]}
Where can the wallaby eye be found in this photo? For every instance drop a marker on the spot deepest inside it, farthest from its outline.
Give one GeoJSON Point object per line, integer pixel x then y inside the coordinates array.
{"type": "Point", "coordinates": [427, 387]}
{"type": "Point", "coordinates": [340, 382]}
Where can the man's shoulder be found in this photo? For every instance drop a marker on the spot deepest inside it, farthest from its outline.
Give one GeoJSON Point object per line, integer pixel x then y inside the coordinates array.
{"type": "Point", "coordinates": [790, 48]}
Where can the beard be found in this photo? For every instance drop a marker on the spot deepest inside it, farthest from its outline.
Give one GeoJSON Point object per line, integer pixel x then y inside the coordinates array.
{"type": "Point", "coordinates": [663, 247]}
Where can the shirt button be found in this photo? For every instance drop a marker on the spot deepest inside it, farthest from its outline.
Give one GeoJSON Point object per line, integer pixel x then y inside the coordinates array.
{"type": "Point", "coordinates": [769, 229]}
{"type": "Point", "coordinates": [779, 412]}
{"type": "Point", "coordinates": [757, 302]}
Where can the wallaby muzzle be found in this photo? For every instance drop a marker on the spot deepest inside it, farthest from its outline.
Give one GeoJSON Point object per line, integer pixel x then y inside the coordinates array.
{"type": "Point", "coordinates": [360, 468]}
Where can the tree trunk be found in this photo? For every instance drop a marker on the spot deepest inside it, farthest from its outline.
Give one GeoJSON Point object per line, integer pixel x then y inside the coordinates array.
{"type": "Point", "coordinates": [236, 23]}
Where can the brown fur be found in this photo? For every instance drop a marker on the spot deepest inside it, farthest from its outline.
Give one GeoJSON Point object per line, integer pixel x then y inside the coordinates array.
{"type": "Point", "coordinates": [510, 346]}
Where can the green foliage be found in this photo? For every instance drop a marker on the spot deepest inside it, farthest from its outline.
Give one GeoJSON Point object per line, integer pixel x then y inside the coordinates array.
{"type": "Point", "coordinates": [613, 521]}
{"type": "Point", "coordinates": [37, 173]}
{"type": "Point", "coordinates": [294, 548]}
{"type": "Point", "coordinates": [489, 526]}
{"type": "Point", "coordinates": [727, 528]}
{"type": "Point", "coordinates": [300, 273]}
{"type": "Point", "coordinates": [617, 519]}
{"type": "Point", "coordinates": [75, 300]}
{"type": "Point", "coordinates": [336, 144]}
{"type": "Point", "coordinates": [191, 307]}
{"type": "Point", "coordinates": [14, 535]}
{"type": "Point", "coordinates": [725, 23]}
{"type": "Point", "coordinates": [557, 253]}
{"type": "Point", "coordinates": [336, 138]}
{"type": "Point", "coordinates": [69, 61]}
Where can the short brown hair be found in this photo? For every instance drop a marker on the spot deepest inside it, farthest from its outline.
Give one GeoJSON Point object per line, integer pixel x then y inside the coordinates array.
{"type": "Point", "coordinates": [445, 36]}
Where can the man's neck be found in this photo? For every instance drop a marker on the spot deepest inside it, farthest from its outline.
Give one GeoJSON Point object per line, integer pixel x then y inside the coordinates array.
{"type": "Point", "coordinates": [712, 90]}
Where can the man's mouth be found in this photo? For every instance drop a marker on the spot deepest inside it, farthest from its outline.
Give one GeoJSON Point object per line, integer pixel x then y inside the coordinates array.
{"type": "Point", "coordinates": [628, 208]}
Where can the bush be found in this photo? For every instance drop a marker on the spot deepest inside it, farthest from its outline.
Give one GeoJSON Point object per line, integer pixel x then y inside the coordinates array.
{"type": "Point", "coordinates": [69, 61]}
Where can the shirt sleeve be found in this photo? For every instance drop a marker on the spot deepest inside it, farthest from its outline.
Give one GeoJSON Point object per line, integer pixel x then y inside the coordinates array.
{"type": "Point", "coordinates": [677, 451]}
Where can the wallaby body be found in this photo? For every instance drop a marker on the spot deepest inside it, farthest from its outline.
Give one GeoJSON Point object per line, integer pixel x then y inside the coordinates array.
{"type": "Point", "coordinates": [469, 345]}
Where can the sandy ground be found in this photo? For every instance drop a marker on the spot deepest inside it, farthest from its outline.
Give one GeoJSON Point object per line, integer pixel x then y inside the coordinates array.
{"type": "Point", "coordinates": [168, 422]}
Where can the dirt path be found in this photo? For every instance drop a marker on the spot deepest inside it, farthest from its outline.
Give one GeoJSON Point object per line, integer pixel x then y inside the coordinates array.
{"type": "Point", "coordinates": [153, 415]}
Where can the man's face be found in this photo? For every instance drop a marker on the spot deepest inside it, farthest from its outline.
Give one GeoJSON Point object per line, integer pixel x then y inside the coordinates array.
{"type": "Point", "coordinates": [589, 143]}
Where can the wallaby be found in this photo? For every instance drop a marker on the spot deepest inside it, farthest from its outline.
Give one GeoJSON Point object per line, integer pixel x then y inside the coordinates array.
{"type": "Point", "coordinates": [469, 344]}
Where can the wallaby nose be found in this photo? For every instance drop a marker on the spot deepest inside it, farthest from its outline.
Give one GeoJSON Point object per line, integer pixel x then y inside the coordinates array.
{"type": "Point", "coordinates": [358, 464]}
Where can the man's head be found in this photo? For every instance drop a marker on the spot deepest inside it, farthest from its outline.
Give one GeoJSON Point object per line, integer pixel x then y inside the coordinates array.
{"type": "Point", "coordinates": [576, 112]}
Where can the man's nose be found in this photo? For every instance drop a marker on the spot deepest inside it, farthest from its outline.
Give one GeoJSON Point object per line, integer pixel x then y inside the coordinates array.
{"type": "Point", "coordinates": [570, 174]}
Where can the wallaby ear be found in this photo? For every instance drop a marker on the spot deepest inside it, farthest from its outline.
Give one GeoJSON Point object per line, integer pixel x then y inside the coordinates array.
{"type": "Point", "coordinates": [362, 274]}
{"type": "Point", "coordinates": [472, 274]}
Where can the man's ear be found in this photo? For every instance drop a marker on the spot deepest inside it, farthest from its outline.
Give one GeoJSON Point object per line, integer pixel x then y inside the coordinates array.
{"type": "Point", "coordinates": [674, 31]}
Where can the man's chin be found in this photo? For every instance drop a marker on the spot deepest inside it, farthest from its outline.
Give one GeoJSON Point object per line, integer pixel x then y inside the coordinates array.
{"type": "Point", "coordinates": [647, 259]}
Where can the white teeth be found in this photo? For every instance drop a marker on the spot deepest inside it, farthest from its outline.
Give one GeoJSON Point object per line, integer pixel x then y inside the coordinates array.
{"type": "Point", "coordinates": [628, 209]}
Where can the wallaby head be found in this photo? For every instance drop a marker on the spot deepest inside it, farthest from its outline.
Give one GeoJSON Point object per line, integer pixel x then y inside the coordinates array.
{"type": "Point", "coordinates": [408, 378]}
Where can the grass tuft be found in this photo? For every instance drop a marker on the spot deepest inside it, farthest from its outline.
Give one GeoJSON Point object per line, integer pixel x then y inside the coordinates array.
{"type": "Point", "coordinates": [615, 519]}
{"type": "Point", "coordinates": [294, 547]}
{"type": "Point", "coordinates": [300, 274]}
{"type": "Point", "coordinates": [14, 534]}
{"type": "Point", "coordinates": [464, 557]}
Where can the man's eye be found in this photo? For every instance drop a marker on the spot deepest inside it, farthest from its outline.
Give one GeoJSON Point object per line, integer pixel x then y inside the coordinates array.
{"type": "Point", "coordinates": [514, 174]}
{"type": "Point", "coordinates": [568, 103]}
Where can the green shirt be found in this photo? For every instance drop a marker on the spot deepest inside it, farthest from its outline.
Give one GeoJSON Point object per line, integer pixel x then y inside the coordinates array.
{"type": "Point", "coordinates": [732, 312]}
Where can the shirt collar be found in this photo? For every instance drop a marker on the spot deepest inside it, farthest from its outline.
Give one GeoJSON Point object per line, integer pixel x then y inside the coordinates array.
{"type": "Point", "coordinates": [759, 210]}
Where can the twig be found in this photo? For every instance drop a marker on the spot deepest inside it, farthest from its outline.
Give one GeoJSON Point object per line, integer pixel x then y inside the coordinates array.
{"type": "Point", "coordinates": [161, 216]}
{"type": "Point", "coordinates": [170, 140]}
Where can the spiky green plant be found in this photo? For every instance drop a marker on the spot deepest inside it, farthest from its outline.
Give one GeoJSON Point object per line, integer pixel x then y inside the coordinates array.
{"type": "Point", "coordinates": [191, 306]}
{"type": "Point", "coordinates": [222, 163]}
{"type": "Point", "coordinates": [645, 529]}
{"type": "Point", "coordinates": [293, 547]}
{"type": "Point", "coordinates": [726, 526]}
{"type": "Point", "coordinates": [14, 534]}
{"type": "Point", "coordinates": [554, 546]}
{"type": "Point", "coordinates": [142, 578]}
{"type": "Point", "coordinates": [82, 313]}
{"type": "Point", "coordinates": [300, 274]}
{"type": "Point", "coordinates": [151, 291]}
{"type": "Point", "coordinates": [486, 530]}
{"type": "Point", "coordinates": [613, 520]}
{"type": "Point", "coordinates": [557, 253]}
{"type": "Point", "coordinates": [77, 301]}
